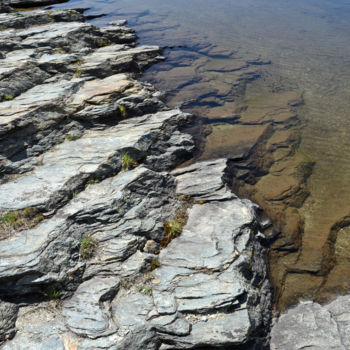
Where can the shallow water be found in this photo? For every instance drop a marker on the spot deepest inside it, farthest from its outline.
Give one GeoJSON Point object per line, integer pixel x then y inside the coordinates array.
{"type": "Point", "coordinates": [244, 67]}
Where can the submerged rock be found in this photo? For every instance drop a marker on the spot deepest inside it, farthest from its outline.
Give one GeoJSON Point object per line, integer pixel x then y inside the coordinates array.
{"type": "Point", "coordinates": [314, 326]}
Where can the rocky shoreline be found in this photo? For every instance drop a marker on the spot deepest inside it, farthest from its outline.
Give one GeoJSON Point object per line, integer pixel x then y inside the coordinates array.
{"type": "Point", "coordinates": [103, 244]}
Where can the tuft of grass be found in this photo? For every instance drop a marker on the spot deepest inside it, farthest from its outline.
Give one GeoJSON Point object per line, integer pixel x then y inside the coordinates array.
{"type": "Point", "coordinates": [15, 14]}
{"type": "Point", "coordinates": [78, 73]}
{"type": "Point", "coordinates": [60, 50]}
{"type": "Point", "coordinates": [128, 162]}
{"type": "Point", "coordinates": [155, 264]}
{"type": "Point", "coordinates": [102, 42]}
{"type": "Point", "coordinates": [145, 290]}
{"type": "Point", "coordinates": [251, 256]}
{"type": "Point", "coordinates": [88, 246]}
{"type": "Point", "coordinates": [13, 221]}
{"type": "Point", "coordinates": [9, 97]}
{"type": "Point", "coordinates": [70, 137]}
{"type": "Point", "coordinates": [39, 162]}
{"type": "Point", "coordinates": [127, 282]}
{"type": "Point", "coordinates": [93, 181]}
{"type": "Point", "coordinates": [122, 111]}
{"type": "Point", "coordinates": [173, 227]}
{"type": "Point", "coordinates": [52, 294]}
{"type": "Point", "coordinates": [186, 198]}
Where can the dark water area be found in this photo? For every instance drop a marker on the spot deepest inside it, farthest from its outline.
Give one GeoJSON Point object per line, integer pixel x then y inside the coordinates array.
{"type": "Point", "coordinates": [269, 82]}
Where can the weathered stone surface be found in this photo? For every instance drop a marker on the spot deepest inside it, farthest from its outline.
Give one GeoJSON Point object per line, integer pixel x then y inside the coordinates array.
{"type": "Point", "coordinates": [66, 167]}
{"type": "Point", "coordinates": [85, 313]}
{"type": "Point", "coordinates": [310, 325]}
{"type": "Point", "coordinates": [27, 258]}
{"type": "Point", "coordinates": [204, 180]}
{"type": "Point", "coordinates": [91, 148]}
{"type": "Point", "coordinates": [8, 315]}
{"type": "Point", "coordinates": [116, 58]}
{"type": "Point", "coordinates": [228, 330]}
{"type": "Point", "coordinates": [29, 18]}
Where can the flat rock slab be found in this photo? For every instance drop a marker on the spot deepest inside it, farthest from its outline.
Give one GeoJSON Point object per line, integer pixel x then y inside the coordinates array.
{"type": "Point", "coordinates": [197, 276]}
{"type": "Point", "coordinates": [211, 236]}
{"type": "Point", "coordinates": [227, 330]}
{"type": "Point", "coordinates": [67, 166]}
{"type": "Point", "coordinates": [23, 107]}
{"type": "Point", "coordinates": [84, 312]}
{"type": "Point", "coordinates": [25, 257]}
{"type": "Point", "coordinates": [97, 91]}
{"type": "Point", "coordinates": [29, 18]}
{"type": "Point", "coordinates": [204, 180]}
{"type": "Point", "coordinates": [115, 58]}
{"type": "Point", "coordinates": [310, 325]}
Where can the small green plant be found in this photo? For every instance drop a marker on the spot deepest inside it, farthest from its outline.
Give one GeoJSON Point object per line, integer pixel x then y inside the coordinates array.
{"type": "Point", "coordinates": [9, 97]}
{"type": "Point", "coordinates": [122, 111]}
{"type": "Point", "coordinates": [93, 181]}
{"type": "Point", "coordinates": [40, 161]}
{"type": "Point", "coordinates": [185, 198]}
{"type": "Point", "coordinates": [173, 227]}
{"type": "Point", "coordinates": [80, 61]}
{"type": "Point", "coordinates": [60, 51]}
{"type": "Point", "coordinates": [52, 294]}
{"type": "Point", "coordinates": [127, 282]}
{"type": "Point", "coordinates": [78, 73]}
{"type": "Point", "coordinates": [13, 221]}
{"type": "Point", "coordinates": [102, 42]}
{"type": "Point", "coordinates": [88, 246]}
{"type": "Point", "coordinates": [15, 14]}
{"type": "Point", "coordinates": [145, 290]}
{"type": "Point", "coordinates": [128, 162]}
{"type": "Point", "coordinates": [251, 256]}
{"type": "Point", "coordinates": [155, 264]}
{"type": "Point", "coordinates": [70, 137]}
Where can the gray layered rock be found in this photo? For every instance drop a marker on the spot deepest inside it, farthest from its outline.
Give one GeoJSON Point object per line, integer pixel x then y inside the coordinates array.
{"type": "Point", "coordinates": [8, 315]}
{"type": "Point", "coordinates": [83, 313]}
{"type": "Point", "coordinates": [44, 64]}
{"type": "Point", "coordinates": [103, 244]}
{"type": "Point", "coordinates": [204, 181]}
{"type": "Point", "coordinates": [64, 169]}
{"type": "Point", "coordinates": [4, 6]}
{"type": "Point", "coordinates": [112, 209]}
{"type": "Point", "coordinates": [207, 290]}
{"type": "Point", "coordinates": [314, 326]}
